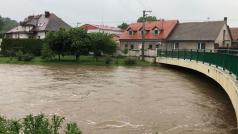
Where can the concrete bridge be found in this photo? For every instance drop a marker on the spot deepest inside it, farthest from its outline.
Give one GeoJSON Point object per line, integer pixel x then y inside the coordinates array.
{"type": "Point", "coordinates": [220, 65]}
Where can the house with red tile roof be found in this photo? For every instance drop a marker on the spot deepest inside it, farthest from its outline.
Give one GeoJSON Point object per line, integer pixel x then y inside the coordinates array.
{"type": "Point", "coordinates": [234, 34]}
{"type": "Point", "coordinates": [156, 34]}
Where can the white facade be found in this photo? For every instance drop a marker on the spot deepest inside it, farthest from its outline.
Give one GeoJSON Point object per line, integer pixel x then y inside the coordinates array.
{"type": "Point", "coordinates": [104, 31]}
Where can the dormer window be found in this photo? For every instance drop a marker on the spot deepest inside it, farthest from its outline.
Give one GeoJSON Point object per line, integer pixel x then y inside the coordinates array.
{"type": "Point", "coordinates": [130, 32]}
{"type": "Point", "coordinates": [142, 32]}
{"type": "Point", "coordinates": [156, 31]}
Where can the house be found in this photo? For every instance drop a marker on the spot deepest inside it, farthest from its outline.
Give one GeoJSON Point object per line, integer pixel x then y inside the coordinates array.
{"type": "Point", "coordinates": [234, 34]}
{"type": "Point", "coordinates": [156, 34]}
{"type": "Point", "coordinates": [101, 28]}
{"type": "Point", "coordinates": [36, 26]}
{"type": "Point", "coordinates": [200, 35]}
{"type": "Point", "coordinates": [114, 31]}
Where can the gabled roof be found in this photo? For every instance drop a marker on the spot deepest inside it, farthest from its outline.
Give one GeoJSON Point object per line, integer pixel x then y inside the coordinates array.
{"type": "Point", "coordinates": [234, 33]}
{"type": "Point", "coordinates": [100, 27]}
{"type": "Point", "coordinates": [197, 31]}
{"type": "Point", "coordinates": [165, 26]}
{"type": "Point", "coordinates": [41, 23]}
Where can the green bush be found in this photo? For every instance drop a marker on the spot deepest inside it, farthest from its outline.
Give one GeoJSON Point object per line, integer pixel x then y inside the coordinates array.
{"type": "Point", "coordinates": [72, 128]}
{"type": "Point", "coordinates": [19, 55]}
{"type": "Point", "coordinates": [130, 61]}
{"type": "Point", "coordinates": [47, 53]}
{"type": "Point", "coordinates": [28, 57]}
{"type": "Point", "coordinates": [125, 51]}
{"type": "Point", "coordinates": [32, 46]}
{"type": "Point", "coordinates": [39, 124]}
{"type": "Point", "coordinates": [108, 60]}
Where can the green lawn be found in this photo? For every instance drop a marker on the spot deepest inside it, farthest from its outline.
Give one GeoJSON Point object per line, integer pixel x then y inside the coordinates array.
{"type": "Point", "coordinates": [83, 60]}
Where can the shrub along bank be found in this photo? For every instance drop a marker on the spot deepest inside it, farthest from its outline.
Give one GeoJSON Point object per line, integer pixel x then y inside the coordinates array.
{"type": "Point", "coordinates": [39, 124]}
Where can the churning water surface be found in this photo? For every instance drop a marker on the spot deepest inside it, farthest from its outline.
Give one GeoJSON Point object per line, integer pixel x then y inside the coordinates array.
{"type": "Point", "coordinates": [118, 100]}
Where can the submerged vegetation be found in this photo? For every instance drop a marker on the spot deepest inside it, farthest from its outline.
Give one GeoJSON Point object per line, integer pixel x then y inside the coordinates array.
{"type": "Point", "coordinates": [39, 124]}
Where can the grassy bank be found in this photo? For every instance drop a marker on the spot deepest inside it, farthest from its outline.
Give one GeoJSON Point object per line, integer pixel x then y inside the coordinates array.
{"type": "Point", "coordinates": [83, 60]}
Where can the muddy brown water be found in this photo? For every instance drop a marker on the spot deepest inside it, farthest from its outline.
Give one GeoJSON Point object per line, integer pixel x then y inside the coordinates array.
{"type": "Point", "coordinates": [118, 100]}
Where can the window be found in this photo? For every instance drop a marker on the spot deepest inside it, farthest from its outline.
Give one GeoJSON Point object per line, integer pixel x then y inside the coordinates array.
{"type": "Point", "coordinates": [157, 46]}
{"type": "Point", "coordinates": [150, 47]}
{"type": "Point", "coordinates": [156, 31]}
{"type": "Point", "coordinates": [201, 45]}
{"type": "Point", "coordinates": [130, 32]}
{"type": "Point", "coordinates": [132, 47]}
{"type": "Point", "coordinates": [142, 32]}
{"type": "Point", "coordinates": [126, 45]}
{"type": "Point", "coordinates": [176, 45]}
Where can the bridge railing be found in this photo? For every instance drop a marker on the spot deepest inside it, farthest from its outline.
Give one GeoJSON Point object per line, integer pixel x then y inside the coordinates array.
{"type": "Point", "coordinates": [223, 58]}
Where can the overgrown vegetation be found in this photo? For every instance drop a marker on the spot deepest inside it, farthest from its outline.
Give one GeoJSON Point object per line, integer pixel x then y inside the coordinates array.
{"type": "Point", "coordinates": [39, 124]}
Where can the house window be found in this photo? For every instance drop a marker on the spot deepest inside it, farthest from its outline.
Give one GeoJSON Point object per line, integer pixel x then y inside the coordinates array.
{"type": "Point", "coordinates": [150, 46]}
{"type": "Point", "coordinates": [201, 45]}
{"type": "Point", "coordinates": [130, 32]}
{"type": "Point", "coordinates": [132, 47]}
{"type": "Point", "coordinates": [142, 32]}
{"type": "Point", "coordinates": [126, 45]}
{"type": "Point", "coordinates": [176, 45]}
{"type": "Point", "coordinates": [156, 31]}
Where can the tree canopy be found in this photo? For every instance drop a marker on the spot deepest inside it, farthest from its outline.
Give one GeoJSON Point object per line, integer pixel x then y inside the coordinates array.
{"type": "Point", "coordinates": [123, 26]}
{"type": "Point", "coordinates": [147, 18]}
{"type": "Point", "coordinates": [7, 24]}
{"type": "Point", "coordinates": [78, 42]}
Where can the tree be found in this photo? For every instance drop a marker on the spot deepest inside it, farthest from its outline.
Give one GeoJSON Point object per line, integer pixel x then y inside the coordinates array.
{"type": "Point", "coordinates": [7, 24]}
{"type": "Point", "coordinates": [147, 18]}
{"type": "Point", "coordinates": [123, 26]}
{"type": "Point", "coordinates": [102, 43]}
{"type": "Point", "coordinates": [80, 42]}
{"type": "Point", "coordinates": [1, 23]}
{"type": "Point", "coordinates": [59, 42]}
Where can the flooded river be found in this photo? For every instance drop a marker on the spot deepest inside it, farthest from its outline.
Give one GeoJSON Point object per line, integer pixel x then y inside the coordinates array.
{"type": "Point", "coordinates": [118, 100]}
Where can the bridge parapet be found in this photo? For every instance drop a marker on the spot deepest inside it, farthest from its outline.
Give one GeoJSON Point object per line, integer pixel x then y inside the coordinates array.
{"type": "Point", "coordinates": [221, 58]}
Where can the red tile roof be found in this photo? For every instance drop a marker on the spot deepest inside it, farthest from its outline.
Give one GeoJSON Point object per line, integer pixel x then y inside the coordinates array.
{"type": "Point", "coordinates": [165, 27]}
{"type": "Point", "coordinates": [234, 33]}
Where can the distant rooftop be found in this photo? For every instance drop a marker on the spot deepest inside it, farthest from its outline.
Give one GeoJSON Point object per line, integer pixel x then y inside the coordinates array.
{"type": "Point", "coordinates": [43, 22]}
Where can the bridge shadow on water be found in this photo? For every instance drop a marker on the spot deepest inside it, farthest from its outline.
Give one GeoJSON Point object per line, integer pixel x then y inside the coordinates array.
{"type": "Point", "coordinates": [198, 78]}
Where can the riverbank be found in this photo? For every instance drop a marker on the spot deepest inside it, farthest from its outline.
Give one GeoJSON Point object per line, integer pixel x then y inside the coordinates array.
{"type": "Point", "coordinates": [83, 60]}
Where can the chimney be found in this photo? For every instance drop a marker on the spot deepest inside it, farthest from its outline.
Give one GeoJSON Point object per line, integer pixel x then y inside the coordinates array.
{"type": "Point", "coordinates": [47, 14]}
{"type": "Point", "coordinates": [225, 19]}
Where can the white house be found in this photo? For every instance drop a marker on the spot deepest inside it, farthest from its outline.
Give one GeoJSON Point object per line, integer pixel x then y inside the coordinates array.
{"type": "Point", "coordinates": [36, 26]}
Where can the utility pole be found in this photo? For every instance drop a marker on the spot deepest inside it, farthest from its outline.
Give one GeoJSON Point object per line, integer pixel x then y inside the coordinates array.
{"type": "Point", "coordinates": [143, 34]}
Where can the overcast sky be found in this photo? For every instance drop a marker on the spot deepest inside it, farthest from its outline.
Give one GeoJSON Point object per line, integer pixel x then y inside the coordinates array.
{"type": "Point", "coordinates": [113, 12]}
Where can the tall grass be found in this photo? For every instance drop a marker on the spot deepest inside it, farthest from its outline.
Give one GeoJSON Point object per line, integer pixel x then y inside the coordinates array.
{"type": "Point", "coordinates": [39, 124]}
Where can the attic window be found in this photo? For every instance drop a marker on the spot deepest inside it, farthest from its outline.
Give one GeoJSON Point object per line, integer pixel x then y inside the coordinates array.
{"type": "Point", "coordinates": [142, 32]}
{"type": "Point", "coordinates": [130, 32]}
{"type": "Point", "coordinates": [156, 31]}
